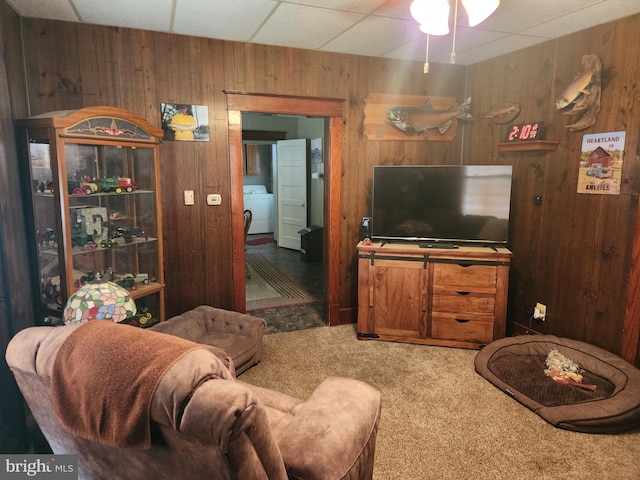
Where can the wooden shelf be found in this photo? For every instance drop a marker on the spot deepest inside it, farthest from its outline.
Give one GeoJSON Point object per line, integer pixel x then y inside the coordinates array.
{"type": "Point", "coordinates": [536, 145]}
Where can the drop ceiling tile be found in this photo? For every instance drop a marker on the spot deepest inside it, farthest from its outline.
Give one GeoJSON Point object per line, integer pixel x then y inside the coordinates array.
{"type": "Point", "coordinates": [375, 36]}
{"type": "Point", "coordinates": [387, 28]}
{"type": "Point", "coordinates": [440, 46]}
{"type": "Point", "coordinates": [304, 27]}
{"type": "Point", "coordinates": [594, 15]}
{"type": "Point", "coordinates": [356, 6]}
{"type": "Point", "coordinates": [396, 9]}
{"type": "Point", "coordinates": [236, 20]}
{"type": "Point", "coordinates": [141, 14]}
{"type": "Point", "coordinates": [414, 50]}
{"type": "Point", "coordinates": [440, 50]}
{"type": "Point", "coordinates": [53, 9]}
{"type": "Point", "coordinates": [502, 46]}
{"type": "Point", "coordinates": [471, 46]}
{"type": "Point", "coordinates": [467, 38]}
{"type": "Point", "coordinates": [517, 16]}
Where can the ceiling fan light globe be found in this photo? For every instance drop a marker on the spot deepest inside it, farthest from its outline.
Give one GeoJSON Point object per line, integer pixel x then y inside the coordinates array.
{"type": "Point", "coordinates": [479, 10]}
{"type": "Point", "coordinates": [432, 15]}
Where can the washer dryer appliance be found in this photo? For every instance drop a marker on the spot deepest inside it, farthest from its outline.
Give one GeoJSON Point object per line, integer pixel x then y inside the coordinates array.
{"type": "Point", "coordinates": [260, 203]}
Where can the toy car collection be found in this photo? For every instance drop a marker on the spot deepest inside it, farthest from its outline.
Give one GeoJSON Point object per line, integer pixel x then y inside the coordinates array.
{"type": "Point", "coordinates": [88, 186]}
{"type": "Point", "coordinates": [90, 229]}
{"type": "Point", "coordinates": [142, 319]}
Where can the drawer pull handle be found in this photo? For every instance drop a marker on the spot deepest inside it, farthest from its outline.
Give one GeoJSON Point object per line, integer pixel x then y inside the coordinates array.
{"type": "Point", "coordinates": [463, 293]}
{"type": "Point", "coordinates": [462, 320]}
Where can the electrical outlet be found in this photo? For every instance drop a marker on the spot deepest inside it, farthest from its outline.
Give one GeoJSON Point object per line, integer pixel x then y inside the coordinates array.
{"type": "Point", "coordinates": [540, 312]}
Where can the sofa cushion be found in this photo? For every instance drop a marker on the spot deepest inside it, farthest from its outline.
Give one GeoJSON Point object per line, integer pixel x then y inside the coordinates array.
{"type": "Point", "coordinates": [279, 406]}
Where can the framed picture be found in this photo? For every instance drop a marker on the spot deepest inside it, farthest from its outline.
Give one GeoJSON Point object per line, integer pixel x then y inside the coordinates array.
{"type": "Point", "coordinates": [316, 151]}
{"type": "Point", "coordinates": [184, 122]}
{"type": "Point", "coordinates": [601, 162]}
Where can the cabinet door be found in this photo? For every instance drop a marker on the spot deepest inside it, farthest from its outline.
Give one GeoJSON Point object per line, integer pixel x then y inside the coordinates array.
{"type": "Point", "coordinates": [252, 159]}
{"type": "Point", "coordinates": [113, 222]}
{"type": "Point", "coordinates": [46, 226]}
{"type": "Point", "coordinates": [96, 216]}
{"type": "Point", "coordinates": [398, 298]}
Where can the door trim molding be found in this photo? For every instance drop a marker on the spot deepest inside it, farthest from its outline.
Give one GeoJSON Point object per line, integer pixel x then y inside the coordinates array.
{"type": "Point", "coordinates": [333, 111]}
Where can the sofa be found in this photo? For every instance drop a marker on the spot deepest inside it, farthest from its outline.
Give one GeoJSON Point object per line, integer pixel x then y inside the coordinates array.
{"type": "Point", "coordinates": [238, 334]}
{"type": "Point", "coordinates": [200, 421]}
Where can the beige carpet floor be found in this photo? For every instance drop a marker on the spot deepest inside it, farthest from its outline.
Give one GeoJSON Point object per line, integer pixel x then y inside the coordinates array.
{"type": "Point", "coordinates": [441, 420]}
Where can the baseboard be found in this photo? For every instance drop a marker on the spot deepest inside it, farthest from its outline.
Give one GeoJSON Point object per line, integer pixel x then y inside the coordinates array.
{"type": "Point", "coordinates": [515, 329]}
{"type": "Point", "coordinates": [348, 315]}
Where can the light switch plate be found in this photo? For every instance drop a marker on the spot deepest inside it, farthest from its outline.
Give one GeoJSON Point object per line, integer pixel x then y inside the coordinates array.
{"type": "Point", "coordinates": [214, 199]}
{"type": "Point", "coordinates": [189, 198]}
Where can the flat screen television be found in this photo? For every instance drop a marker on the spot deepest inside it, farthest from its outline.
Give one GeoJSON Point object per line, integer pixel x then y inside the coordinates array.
{"type": "Point", "coordinates": [453, 204]}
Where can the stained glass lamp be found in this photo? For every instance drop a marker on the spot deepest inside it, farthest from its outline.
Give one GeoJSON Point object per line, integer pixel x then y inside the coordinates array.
{"type": "Point", "coordinates": [99, 300]}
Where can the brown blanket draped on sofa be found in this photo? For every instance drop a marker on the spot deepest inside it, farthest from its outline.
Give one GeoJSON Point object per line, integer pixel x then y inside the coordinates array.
{"type": "Point", "coordinates": [112, 405]}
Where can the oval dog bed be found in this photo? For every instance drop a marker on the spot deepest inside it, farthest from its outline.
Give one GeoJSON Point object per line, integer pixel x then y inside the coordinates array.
{"type": "Point", "coordinates": [516, 366]}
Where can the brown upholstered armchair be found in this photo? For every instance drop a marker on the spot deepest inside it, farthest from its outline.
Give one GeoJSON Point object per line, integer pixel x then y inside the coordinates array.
{"type": "Point", "coordinates": [204, 424]}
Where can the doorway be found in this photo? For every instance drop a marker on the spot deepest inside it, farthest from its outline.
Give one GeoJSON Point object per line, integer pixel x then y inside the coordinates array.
{"type": "Point", "coordinates": [332, 111]}
{"type": "Point", "coordinates": [284, 188]}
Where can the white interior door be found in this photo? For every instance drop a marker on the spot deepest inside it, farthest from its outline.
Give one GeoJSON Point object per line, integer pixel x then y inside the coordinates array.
{"type": "Point", "coordinates": [292, 191]}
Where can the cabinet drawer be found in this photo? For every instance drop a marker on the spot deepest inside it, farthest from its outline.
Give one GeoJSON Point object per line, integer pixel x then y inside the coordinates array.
{"type": "Point", "coordinates": [467, 275]}
{"type": "Point", "coordinates": [462, 329]}
{"type": "Point", "coordinates": [464, 303]}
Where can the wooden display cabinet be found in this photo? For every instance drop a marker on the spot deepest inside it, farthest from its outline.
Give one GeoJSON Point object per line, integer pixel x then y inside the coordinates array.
{"type": "Point", "coordinates": [447, 297]}
{"type": "Point", "coordinates": [91, 178]}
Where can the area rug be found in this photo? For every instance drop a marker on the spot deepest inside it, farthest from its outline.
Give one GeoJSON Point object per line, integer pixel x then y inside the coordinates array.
{"type": "Point", "coordinates": [260, 241]}
{"type": "Point", "coordinates": [268, 287]}
{"type": "Point", "coordinates": [440, 419]}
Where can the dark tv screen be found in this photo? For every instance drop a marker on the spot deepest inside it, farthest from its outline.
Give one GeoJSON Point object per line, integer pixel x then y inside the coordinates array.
{"type": "Point", "coordinates": [455, 203]}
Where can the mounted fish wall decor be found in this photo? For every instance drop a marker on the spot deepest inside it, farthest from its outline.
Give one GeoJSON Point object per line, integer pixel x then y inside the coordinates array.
{"type": "Point", "coordinates": [410, 117]}
{"type": "Point", "coordinates": [424, 119]}
{"type": "Point", "coordinates": [505, 112]}
{"type": "Point", "coordinates": [581, 99]}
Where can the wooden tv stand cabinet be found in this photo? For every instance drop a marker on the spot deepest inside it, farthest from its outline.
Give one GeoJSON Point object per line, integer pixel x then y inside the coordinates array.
{"type": "Point", "coordinates": [446, 297]}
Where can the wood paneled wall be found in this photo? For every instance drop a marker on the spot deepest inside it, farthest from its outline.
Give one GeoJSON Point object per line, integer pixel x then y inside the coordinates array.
{"type": "Point", "coordinates": [71, 66]}
{"type": "Point", "coordinates": [572, 252]}
{"type": "Point", "coordinates": [16, 310]}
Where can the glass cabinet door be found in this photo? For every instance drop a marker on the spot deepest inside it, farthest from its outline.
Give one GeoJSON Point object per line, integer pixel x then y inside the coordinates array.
{"type": "Point", "coordinates": [112, 215]}
{"type": "Point", "coordinates": [109, 226]}
{"type": "Point", "coordinates": [46, 228]}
